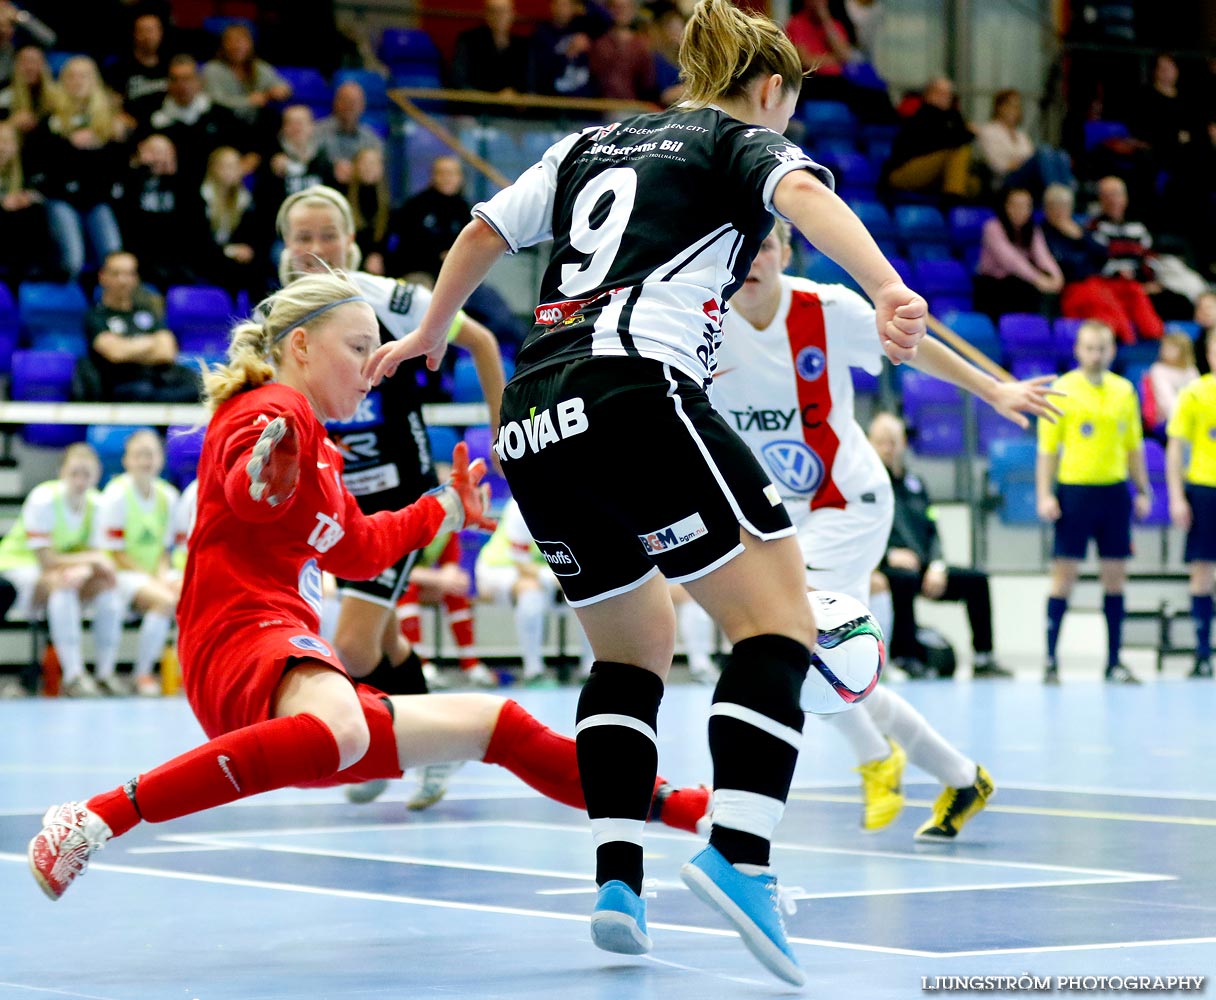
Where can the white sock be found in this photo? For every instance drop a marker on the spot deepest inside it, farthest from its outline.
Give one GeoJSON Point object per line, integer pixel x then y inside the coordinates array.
{"type": "Point", "coordinates": [108, 614]}
{"type": "Point", "coordinates": [883, 610]}
{"type": "Point", "coordinates": [924, 745]}
{"type": "Point", "coordinates": [63, 622]}
{"type": "Point", "coordinates": [697, 633]}
{"type": "Point", "coordinates": [530, 627]}
{"type": "Point", "coordinates": [862, 735]}
{"type": "Point", "coordinates": [153, 634]}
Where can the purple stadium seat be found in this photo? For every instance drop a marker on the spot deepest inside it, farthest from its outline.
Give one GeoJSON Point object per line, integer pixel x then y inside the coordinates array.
{"type": "Point", "coordinates": [934, 411]}
{"type": "Point", "coordinates": [45, 376]}
{"type": "Point", "coordinates": [408, 48]}
{"type": "Point", "coordinates": [48, 310]}
{"type": "Point", "coordinates": [1025, 335]}
{"type": "Point", "coordinates": [1065, 331]}
{"type": "Point", "coordinates": [1154, 461]}
{"type": "Point", "coordinates": [966, 222]}
{"type": "Point", "coordinates": [921, 224]}
{"type": "Point", "coordinates": [1032, 366]}
{"type": "Point", "coordinates": [856, 176]}
{"type": "Point", "coordinates": [200, 318]}
{"type": "Point", "coordinates": [308, 86]}
{"type": "Point", "coordinates": [942, 277]}
{"type": "Point", "coordinates": [183, 446]}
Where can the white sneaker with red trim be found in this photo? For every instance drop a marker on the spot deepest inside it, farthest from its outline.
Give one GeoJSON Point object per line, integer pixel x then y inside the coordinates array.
{"type": "Point", "coordinates": [61, 852]}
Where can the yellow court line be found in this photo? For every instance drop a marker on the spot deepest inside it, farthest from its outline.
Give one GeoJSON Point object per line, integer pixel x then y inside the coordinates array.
{"type": "Point", "coordinates": [1103, 814]}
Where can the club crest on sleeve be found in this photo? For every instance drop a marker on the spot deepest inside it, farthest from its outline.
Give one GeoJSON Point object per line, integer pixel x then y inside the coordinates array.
{"type": "Point", "coordinates": [310, 644]}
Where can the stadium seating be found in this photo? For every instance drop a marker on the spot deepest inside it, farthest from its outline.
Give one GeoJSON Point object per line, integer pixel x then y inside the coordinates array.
{"type": "Point", "coordinates": [921, 225]}
{"type": "Point", "coordinates": [935, 414]}
{"type": "Point", "coordinates": [109, 440]}
{"type": "Point", "coordinates": [828, 120]}
{"type": "Point", "coordinates": [875, 217]}
{"type": "Point", "coordinates": [10, 328]}
{"type": "Point", "coordinates": [1097, 133]}
{"type": "Point", "coordinates": [466, 387]}
{"type": "Point", "coordinates": [443, 440]}
{"type": "Point", "coordinates": [308, 86]}
{"type": "Point", "coordinates": [823, 269]}
{"type": "Point", "coordinates": [935, 278]}
{"type": "Point", "coordinates": [966, 223]}
{"type": "Point", "coordinates": [1154, 461]}
{"type": "Point", "coordinates": [1011, 477]}
{"type": "Point", "coordinates": [1064, 330]}
{"type": "Point", "coordinates": [975, 328]}
{"type": "Point", "coordinates": [408, 50]}
{"type": "Point", "coordinates": [183, 446]}
{"type": "Point", "coordinates": [372, 83]}
{"type": "Point", "coordinates": [855, 175]}
{"type": "Point", "coordinates": [52, 316]}
{"type": "Point", "coordinates": [45, 376]}
{"type": "Point", "coordinates": [200, 318]}
{"type": "Point", "coordinates": [1025, 336]}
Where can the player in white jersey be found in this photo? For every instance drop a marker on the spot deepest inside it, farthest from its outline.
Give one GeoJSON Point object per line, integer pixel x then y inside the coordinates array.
{"type": "Point", "coordinates": [783, 384]}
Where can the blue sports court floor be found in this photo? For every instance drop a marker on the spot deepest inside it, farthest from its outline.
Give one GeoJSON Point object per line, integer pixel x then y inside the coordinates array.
{"type": "Point", "coordinates": [1094, 859]}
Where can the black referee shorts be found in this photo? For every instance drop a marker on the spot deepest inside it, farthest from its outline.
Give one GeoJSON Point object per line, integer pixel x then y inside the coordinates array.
{"type": "Point", "coordinates": [623, 469]}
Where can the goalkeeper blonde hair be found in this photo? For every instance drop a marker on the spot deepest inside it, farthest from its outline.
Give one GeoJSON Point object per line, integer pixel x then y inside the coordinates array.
{"type": "Point", "coordinates": [255, 347]}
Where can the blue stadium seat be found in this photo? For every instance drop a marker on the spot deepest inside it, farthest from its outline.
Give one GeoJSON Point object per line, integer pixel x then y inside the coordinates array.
{"type": "Point", "coordinates": [1097, 133]}
{"type": "Point", "coordinates": [832, 146]}
{"type": "Point", "coordinates": [1026, 335]}
{"type": "Point", "coordinates": [935, 414]}
{"type": "Point", "coordinates": [466, 387]}
{"type": "Point", "coordinates": [875, 217]}
{"type": "Point", "coordinates": [407, 47]}
{"type": "Point", "coordinates": [45, 376]}
{"type": "Point", "coordinates": [975, 328]}
{"type": "Point", "coordinates": [921, 225]}
{"type": "Point", "coordinates": [373, 85]}
{"type": "Point", "coordinates": [10, 328]}
{"type": "Point", "coordinates": [966, 223]}
{"type": "Point", "coordinates": [1065, 332]}
{"type": "Point", "coordinates": [828, 120]}
{"type": "Point", "coordinates": [46, 308]}
{"type": "Point", "coordinates": [309, 87]}
{"type": "Point", "coordinates": [200, 317]}
{"type": "Point", "coordinates": [1129, 357]}
{"type": "Point", "coordinates": [183, 446]}
{"type": "Point", "coordinates": [823, 269]}
{"type": "Point", "coordinates": [1011, 475]}
{"type": "Point", "coordinates": [856, 176]}
{"type": "Point", "coordinates": [941, 277]}
{"type": "Point", "coordinates": [1032, 366]}
{"type": "Point", "coordinates": [417, 76]}
{"type": "Point", "coordinates": [1154, 461]}
{"type": "Point", "coordinates": [902, 268]}
{"type": "Point", "coordinates": [109, 440]}
{"type": "Point", "coordinates": [443, 441]}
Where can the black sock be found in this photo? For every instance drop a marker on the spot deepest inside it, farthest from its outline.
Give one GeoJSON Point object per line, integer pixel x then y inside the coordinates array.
{"type": "Point", "coordinates": [618, 763]}
{"type": "Point", "coordinates": [762, 678]}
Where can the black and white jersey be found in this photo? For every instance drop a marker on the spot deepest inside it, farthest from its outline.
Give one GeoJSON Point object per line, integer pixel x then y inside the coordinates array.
{"type": "Point", "coordinates": [385, 446]}
{"type": "Point", "coordinates": [655, 221]}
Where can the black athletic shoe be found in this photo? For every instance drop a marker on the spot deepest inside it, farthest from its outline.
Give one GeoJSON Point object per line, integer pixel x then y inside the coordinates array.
{"type": "Point", "coordinates": [1203, 668]}
{"type": "Point", "coordinates": [1051, 675]}
{"type": "Point", "coordinates": [1119, 674]}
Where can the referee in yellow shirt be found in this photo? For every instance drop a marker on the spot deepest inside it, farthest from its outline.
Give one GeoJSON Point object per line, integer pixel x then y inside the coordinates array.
{"type": "Point", "coordinates": [1193, 502]}
{"type": "Point", "coordinates": [1087, 456]}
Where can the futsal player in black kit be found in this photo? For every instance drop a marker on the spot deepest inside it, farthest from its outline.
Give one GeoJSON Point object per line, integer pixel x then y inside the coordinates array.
{"type": "Point", "coordinates": [624, 473]}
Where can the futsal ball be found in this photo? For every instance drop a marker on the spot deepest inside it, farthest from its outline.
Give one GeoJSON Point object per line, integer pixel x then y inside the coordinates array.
{"type": "Point", "coordinates": [848, 657]}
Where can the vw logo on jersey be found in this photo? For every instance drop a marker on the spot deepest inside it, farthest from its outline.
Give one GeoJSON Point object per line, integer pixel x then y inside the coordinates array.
{"type": "Point", "coordinates": [309, 585]}
{"type": "Point", "coordinates": [810, 363]}
{"type": "Point", "coordinates": [794, 465]}
{"type": "Point", "coordinates": [310, 644]}
{"type": "Point", "coordinates": [369, 414]}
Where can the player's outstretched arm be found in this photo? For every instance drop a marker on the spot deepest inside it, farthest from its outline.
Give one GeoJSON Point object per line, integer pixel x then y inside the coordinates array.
{"type": "Point", "coordinates": [832, 227]}
{"type": "Point", "coordinates": [476, 250]}
{"type": "Point", "coordinates": [1012, 400]}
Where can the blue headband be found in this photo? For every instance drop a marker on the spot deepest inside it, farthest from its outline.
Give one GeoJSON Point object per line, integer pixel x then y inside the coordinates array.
{"type": "Point", "coordinates": [314, 314]}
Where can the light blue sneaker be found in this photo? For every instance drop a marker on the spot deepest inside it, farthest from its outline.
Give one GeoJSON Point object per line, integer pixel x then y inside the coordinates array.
{"type": "Point", "coordinates": [619, 921]}
{"type": "Point", "coordinates": [751, 903]}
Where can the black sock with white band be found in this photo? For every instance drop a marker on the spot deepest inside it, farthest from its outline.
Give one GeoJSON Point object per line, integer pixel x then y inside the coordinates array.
{"type": "Point", "coordinates": [755, 733]}
{"type": "Point", "coordinates": [618, 757]}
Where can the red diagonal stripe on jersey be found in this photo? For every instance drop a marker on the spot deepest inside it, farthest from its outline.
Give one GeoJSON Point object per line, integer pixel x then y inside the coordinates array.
{"type": "Point", "coordinates": [806, 329]}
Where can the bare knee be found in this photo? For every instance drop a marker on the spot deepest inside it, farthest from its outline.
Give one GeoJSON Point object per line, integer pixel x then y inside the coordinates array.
{"type": "Point", "coordinates": [350, 732]}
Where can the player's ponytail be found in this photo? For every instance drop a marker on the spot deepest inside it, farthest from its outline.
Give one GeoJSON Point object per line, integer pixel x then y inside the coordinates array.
{"type": "Point", "coordinates": [255, 347]}
{"type": "Point", "coordinates": [724, 49]}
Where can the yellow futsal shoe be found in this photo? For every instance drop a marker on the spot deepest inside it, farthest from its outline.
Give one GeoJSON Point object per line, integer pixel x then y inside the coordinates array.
{"type": "Point", "coordinates": [882, 788]}
{"type": "Point", "coordinates": [957, 805]}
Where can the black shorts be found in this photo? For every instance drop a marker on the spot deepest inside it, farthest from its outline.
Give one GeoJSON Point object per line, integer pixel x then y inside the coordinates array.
{"type": "Point", "coordinates": [622, 469]}
{"type": "Point", "coordinates": [1201, 539]}
{"type": "Point", "coordinates": [1103, 513]}
{"type": "Point", "coordinates": [385, 589]}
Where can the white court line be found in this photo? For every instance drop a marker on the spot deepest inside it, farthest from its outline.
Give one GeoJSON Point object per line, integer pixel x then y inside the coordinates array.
{"type": "Point", "coordinates": [578, 918]}
{"type": "Point", "coordinates": [58, 993]}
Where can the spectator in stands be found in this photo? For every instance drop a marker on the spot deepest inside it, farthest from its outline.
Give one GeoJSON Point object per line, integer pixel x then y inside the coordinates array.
{"type": "Point", "coordinates": [1193, 501]}
{"type": "Point", "coordinates": [368, 195]}
{"type": "Point", "coordinates": [1119, 302]}
{"type": "Point", "coordinates": [341, 134]}
{"type": "Point", "coordinates": [491, 57]}
{"type": "Point", "coordinates": [135, 524]}
{"type": "Point", "coordinates": [665, 32]}
{"type": "Point", "coordinates": [621, 63]}
{"type": "Point", "coordinates": [297, 162]}
{"type": "Point", "coordinates": [140, 76]}
{"type": "Point", "coordinates": [239, 80]}
{"type": "Point", "coordinates": [836, 69]}
{"type": "Point", "coordinates": [133, 354]}
{"type": "Point", "coordinates": [75, 159]}
{"type": "Point", "coordinates": [33, 95]}
{"type": "Point", "coordinates": [865, 17]}
{"type": "Point", "coordinates": [1016, 269]}
{"type": "Point", "coordinates": [195, 124]}
{"type": "Point", "coordinates": [1164, 121]}
{"type": "Point", "coordinates": [1205, 316]}
{"type": "Point", "coordinates": [427, 224]}
{"type": "Point", "coordinates": [1081, 482]}
{"type": "Point", "coordinates": [8, 43]}
{"type": "Point", "coordinates": [241, 255]}
{"type": "Point", "coordinates": [1164, 381]}
{"type": "Point", "coordinates": [914, 566]}
{"type": "Point", "coordinates": [1007, 150]}
{"type": "Point", "coordinates": [559, 51]}
{"type": "Point", "coordinates": [932, 150]}
{"type": "Point", "coordinates": [1170, 285]}
{"type": "Point", "coordinates": [25, 236]}
{"type": "Point", "coordinates": [51, 559]}
{"type": "Point", "coordinates": [164, 220]}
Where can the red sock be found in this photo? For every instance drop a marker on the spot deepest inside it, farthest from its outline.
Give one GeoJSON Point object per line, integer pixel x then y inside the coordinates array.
{"type": "Point", "coordinates": [271, 754]}
{"type": "Point", "coordinates": [411, 623]}
{"type": "Point", "coordinates": [684, 806]}
{"type": "Point", "coordinates": [535, 753]}
{"type": "Point", "coordinates": [460, 620]}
